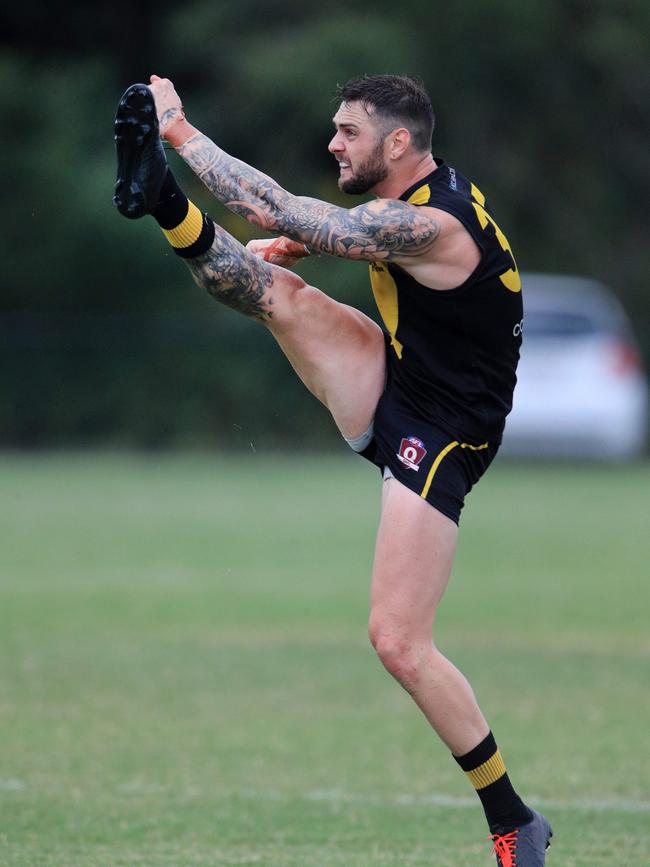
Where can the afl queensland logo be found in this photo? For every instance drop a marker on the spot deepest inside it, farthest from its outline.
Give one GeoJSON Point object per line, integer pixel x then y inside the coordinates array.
{"type": "Point", "coordinates": [411, 451]}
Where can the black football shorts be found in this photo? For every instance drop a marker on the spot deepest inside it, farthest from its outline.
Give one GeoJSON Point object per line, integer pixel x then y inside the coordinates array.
{"type": "Point", "coordinates": [440, 468]}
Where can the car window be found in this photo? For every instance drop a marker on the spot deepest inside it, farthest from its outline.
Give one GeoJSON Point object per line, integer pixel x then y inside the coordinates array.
{"type": "Point", "coordinates": [552, 323]}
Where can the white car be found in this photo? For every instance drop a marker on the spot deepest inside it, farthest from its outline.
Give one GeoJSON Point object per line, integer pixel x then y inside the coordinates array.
{"type": "Point", "coordinates": [581, 391]}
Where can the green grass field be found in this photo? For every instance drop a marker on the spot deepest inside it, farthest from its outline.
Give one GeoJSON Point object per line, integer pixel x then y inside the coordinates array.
{"type": "Point", "coordinates": [185, 677]}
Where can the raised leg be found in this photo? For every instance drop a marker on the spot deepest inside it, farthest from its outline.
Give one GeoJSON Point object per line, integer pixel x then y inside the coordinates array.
{"type": "Point", "coordinates": [337, 351]}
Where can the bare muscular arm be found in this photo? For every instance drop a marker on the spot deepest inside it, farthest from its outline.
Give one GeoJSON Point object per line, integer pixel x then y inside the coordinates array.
{"type": "Point", "coordinates": [383, 229]}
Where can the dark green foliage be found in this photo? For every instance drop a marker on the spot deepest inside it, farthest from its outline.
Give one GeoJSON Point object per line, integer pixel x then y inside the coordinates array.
{"type": "Point", "coordinates": [543, 104]}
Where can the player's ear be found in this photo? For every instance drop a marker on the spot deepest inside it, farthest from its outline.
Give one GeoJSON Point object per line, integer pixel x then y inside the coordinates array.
{"type": "Point", "coordinates": [398, 142]}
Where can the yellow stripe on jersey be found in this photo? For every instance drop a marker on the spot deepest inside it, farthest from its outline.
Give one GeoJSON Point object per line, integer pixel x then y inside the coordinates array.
{"type": "Point", "coordinates": [477, 195]}
{"type": "Point", "coordinates": [510, 278]}
{"type": "Point", "coordinates": [384, 289]}
{"type": "Point", "coordinates": [421, 196]}
{"type": "Point", "coordinates": [487, 773]}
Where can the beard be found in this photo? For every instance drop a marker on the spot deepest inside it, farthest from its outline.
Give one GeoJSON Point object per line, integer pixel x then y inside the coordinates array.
{"type": "Point", "coordinates": [367, 175]}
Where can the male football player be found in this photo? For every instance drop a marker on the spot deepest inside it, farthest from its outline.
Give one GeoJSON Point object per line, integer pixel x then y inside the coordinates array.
{"type": "Point", "coordinates": [424, 399]}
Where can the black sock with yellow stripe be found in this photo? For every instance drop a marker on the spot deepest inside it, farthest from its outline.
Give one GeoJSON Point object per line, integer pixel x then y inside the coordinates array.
{"type": "Point", "coordinates": [190, 232]}
{"type": "Point", "coordinates": [504, 809]}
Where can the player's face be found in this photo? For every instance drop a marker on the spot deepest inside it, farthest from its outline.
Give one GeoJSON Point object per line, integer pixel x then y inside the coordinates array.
{"type": "Point", "coordinates": [358, 146]}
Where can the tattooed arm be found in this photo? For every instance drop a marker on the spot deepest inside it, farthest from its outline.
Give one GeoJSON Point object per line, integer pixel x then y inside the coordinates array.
{"type": "Point", "coordinates": [384, 229]}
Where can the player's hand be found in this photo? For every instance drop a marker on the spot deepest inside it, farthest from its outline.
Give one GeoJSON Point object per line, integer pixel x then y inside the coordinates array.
{"type": "Point", "coordinates": [278, 251]}
{"type": "Point", "coordinates": [169, 107]}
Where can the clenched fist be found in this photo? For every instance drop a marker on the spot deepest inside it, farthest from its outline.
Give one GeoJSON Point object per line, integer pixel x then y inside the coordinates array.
{"type": "Point", "coordinates": [278, 251]}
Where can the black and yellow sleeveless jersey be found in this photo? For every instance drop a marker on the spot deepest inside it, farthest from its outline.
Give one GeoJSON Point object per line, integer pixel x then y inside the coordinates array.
{"type": "Point", "coordinates": [453, 354]}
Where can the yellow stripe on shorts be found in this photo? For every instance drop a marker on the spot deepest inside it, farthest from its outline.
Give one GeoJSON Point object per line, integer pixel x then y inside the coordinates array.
{"type": "Point", "coordinates": [434, 467]}
{"type": "Point", "coordinates": [439, 458]}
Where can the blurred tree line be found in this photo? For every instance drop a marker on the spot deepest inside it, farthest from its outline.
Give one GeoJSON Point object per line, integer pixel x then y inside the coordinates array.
{"type": "Point", "coordinates": [103, 336]}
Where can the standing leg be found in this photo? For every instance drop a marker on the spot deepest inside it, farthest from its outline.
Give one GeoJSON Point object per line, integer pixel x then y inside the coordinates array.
{"type": "Point", "coordinates": [413, 559]}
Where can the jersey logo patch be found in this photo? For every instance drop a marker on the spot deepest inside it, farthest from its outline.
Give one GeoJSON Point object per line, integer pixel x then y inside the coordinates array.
{"type": "Point", "coordinates": [411, 451]}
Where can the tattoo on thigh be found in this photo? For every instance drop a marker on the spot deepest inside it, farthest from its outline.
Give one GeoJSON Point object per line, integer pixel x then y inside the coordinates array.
{"type": "Point", "coordinates": [234, 277]}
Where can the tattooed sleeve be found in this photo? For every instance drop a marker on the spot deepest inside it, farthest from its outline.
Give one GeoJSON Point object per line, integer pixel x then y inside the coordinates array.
{"type": "Point", "coordinates": [383, 229]}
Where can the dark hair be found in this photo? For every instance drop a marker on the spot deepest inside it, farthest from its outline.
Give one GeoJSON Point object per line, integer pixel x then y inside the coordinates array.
{"type": "Point", "coordinates": [397, 100]}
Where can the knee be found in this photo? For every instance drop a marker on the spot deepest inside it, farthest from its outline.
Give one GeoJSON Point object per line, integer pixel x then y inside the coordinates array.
{"type": "Point", "coordinates": [401, 652]}
{"type": "Point", "coordinates": [304, 302]}
{"type": "Point", "coordinates": [296, 304]}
